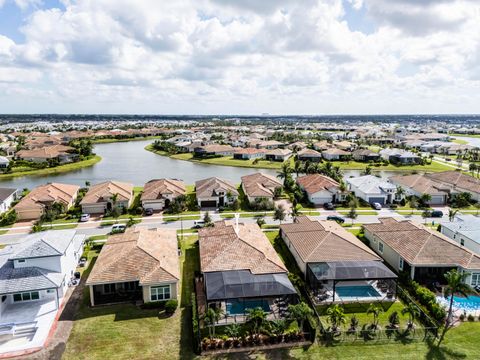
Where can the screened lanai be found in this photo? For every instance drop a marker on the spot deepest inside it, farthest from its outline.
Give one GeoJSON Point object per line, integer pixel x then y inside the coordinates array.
{"type": "Point", "coordinates": [351, 281]}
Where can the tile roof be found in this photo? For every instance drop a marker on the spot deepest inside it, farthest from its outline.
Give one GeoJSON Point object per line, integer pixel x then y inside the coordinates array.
{"type": "Point", "coordinates": [420, 183]}
{"type": "Point", "coordinates": [222, 248]}
{"type": "Point", "coordinates": [279, 152]}
{"type": "Point", "coordinates": [54, 192]}
{"type": "Point", "coordinates": [211, 186]}
{"type": "Point", "coordinates": [309, 152]}
{"type": "Point", "coordinates": [157, 189]}
{"type": "Point", "coordinates": [465, 225]}
{"type": "Point", "coordinates": [260, 185]}
{"type": "Point", "coordinates": [149, 256]}
{"type": "Point", "coordinates": [421, 246]}
{"type": "Point", "coordinates": [457, 179]}
{"type": "Point", "coordinates": [371, 184]}
{"type": "Point", "coordinates": [47, 152]}
{"type": "Point", "coordinates": [105, 190]}
{"type": "Point", "coordinates": [14, 280]}
{"type": "Point", "coordinates": [316, 182]}
{"type": "Point", "coordinates": [249, 151]}
{"type": "Point", "coordinates": [334, 151]}
{"type": "Point", "coordinates": [324, 241]}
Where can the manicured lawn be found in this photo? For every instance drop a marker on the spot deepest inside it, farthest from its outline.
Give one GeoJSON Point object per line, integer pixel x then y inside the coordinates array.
{"type": "Point", "coordinates": [458, 141]}
{"type": "Point", "coordinates": [129, 332]}
{"type": "Point", "coordinates": [98, 237]}
{"type": "Point", "coordinates": [113, 140]}
{"type": "Point", "coordinates": [366, 212]}
{"type": "Point", "coordinates": [310, 212]}
{"type": "Point", "coordinates": [59, 227]}
{"type": "Point", "coordinates": [355, 165]}
{"type": "Point", "coordinates": [466, 135]}
{"type": "Point", "coordinates": [55, 170]}
{"type": "Point", "coordinates": [178, 218]}
{"type": "Point", "coordinates": [230, 161]}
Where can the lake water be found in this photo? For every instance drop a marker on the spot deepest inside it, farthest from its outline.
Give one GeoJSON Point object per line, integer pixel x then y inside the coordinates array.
{"type": "Point", "coordinates": [470, 140]}
{"type": "Point", "coordinates": [130, 162]}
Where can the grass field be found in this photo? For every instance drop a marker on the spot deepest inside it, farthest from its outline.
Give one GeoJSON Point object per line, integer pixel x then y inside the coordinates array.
{"type": "Point", "coordinates": [113, 140]}
{"type": "Point", "coordinates": [55, 170]}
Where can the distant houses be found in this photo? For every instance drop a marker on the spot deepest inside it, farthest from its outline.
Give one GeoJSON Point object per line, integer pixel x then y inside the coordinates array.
{"type": "Point", "coordinates": [63, 154]}
{"type": "Point", "coordinates": [309, 155]}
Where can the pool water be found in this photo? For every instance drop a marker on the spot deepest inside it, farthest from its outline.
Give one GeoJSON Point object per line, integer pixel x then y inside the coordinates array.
{"type": "Point", "coordinates": [470, 303]}
{"type": "Point", "coordinates": [237, 307]}
{"type": "Point", "coordinates": [356, 291]}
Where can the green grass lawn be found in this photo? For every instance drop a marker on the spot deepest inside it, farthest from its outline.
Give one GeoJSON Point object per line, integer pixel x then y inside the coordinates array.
{"type": "Point", "coordinates": [355, 165]}
{"type": "Point", "coordinates": [366, 212]}
{"type": "Point", "coordinates": [59, 227]}
{"type": "Point", "coordinates": [55, 170]}
{"type": "Point", "coordinates": [98, 237]}
{"type": "Point", "coordinates": [466, 135]}
{"type": "Point", "coordinates": [230, 161]}
{"type": "Point", "coordinates": [172, 218]}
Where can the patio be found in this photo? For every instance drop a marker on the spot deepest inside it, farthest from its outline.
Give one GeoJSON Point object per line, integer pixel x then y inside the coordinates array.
{"type": "Point", "coordinates": [26, 325]}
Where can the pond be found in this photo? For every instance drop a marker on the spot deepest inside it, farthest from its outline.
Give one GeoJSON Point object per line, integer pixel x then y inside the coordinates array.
{"type": "Point", "coordinates": [130, 162]}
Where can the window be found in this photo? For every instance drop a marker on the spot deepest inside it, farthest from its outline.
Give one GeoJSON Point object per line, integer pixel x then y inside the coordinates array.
{"type": "Point", "coordinates": [108, 288]}
{"type": "Point", "coordinates": [475, 279]}
{"type": "Point", "coordinates": [21, 260]}
{"type": "Point", "coordinates": [462, 242]}
{"type": "Point", "coordinates": [158, 293]}
{"type": "Point", "coordinates": [380, 247]}
{"type": "Point", "coordinates": [50, 291]}
{"type": "Point", "coordinates": [400, 263]}
{"type": "Point", "coordinates": [130, 286]}
{"type": "Point", "coordinates": [26, 296]}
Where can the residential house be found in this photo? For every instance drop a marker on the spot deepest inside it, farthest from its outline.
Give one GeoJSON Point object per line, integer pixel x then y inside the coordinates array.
{"type": "Point", "coordinates": [278, 154]}
{"type": "Point", "coordinates": [336, 155]}
{"type": "Point", "coordinates": [240, 269]}
{"type": "Point", "coordinates": [423, 253]}
{"type": "Point", "coordinates": [158, 194]}
{"type": "Point", "coordinates": [7, 197]}
{"type": "Point", "coordinates": [298, 145]}
{"type": "Point", "coordinates": [35, 275]}
{"type": "Point", "coordinates": [465, 230]}
{"type": "Point", "coordinates": [372, 189]}
{"type": "Point", "coordinates": [100, 198]}
{"type": "Point", "coordinates": [260, 186]}
{"type": "Point", "coordinates": [269, 144]}
{"type": "Point", "coordinates": [249, 154]}
{"type": "Point", "coordinates": [320, 189]}
{"type": "Point", "coordinates": [215, 192]}
{"type": "Point", "coordinates": [322, 145]}
{"type": "Point", "coordinates": [419, 184]}
{"type": "Point", "coordinates": [365, 155]}
{"type": "Point", "coordinates": [139, 265]}
{"type": "Point", "coordinates": [399, 156]}
{"type": "Point", "coordinates": [345, 145]}
{"type": "Point", "coordinates": [309, 155]}
{"type": "Point", "coordinates": [214, 150]}
{"type": "Point", "coordinates": [459, 182]}
{"type": "Point", "coordinates": [334, 262]}
{"type": "Point", "coordinates": [4, 162]}
{"type": "Point", "coordinates": [63, 154]}
{"type": "Point", "coordinates": [33, 205]}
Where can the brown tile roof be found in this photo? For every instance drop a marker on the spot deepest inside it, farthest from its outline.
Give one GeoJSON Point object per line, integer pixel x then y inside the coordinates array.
{"type": "Point", "coordinates": [48, 193]}
{"type": "Point", "coordinates": [149, 256]}
{"type": "Point", "coordinates": [214, 148]}
{"type": "Point", "coordinates": [457, 179]}
{"type": "Point", "coordinates": [157, 189]}
{"type": "Point", "coordinates": [248, 151]}
{"type": "Point", "coordinates": [260, 185]}
{"type": "Point", "coordinates": [323, 241]}
{"type": "Point", "coordinates": [100, 192]}
{"type": "Point", "coordinates": [279, 152]}
{"type": "Point", "coordinates": [211, 186]}
{"type": "Point", "coordinates": [315, 182]}
{"type": "Point", "coordinates": [48, 152]}
{"type": "Point", "coordinates": [419, 245]}
{"type": "Point", "coordinates": [309, 152]}
{"type": "Point", "coordinates": [365, 152]}
{"type": "Point", "coordinates": [223, 249]}
{"type": "Point", "coordinates": [334, 151]}
{"type": "Point", "coordinates": [421, 184]}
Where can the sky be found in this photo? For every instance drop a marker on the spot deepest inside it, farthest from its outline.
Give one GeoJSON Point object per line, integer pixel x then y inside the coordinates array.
{"type": "Point", "coordinates": [244, 57]}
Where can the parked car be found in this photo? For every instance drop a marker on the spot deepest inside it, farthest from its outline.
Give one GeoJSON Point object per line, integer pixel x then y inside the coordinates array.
{"type": "Point", "coordinates": [377, 206]}
{"type": "Point", "coordinates": [197, 224]}
{"type": "Point", "coordinates": [148, 212]}
{"type": "Point", "coordinates": [84, 217]}
{"type": "Point", "coordinates": [82, 262]}
{"type": "Point", "coordinates": [436, 214]}
{"type": "Point", "coordinates": [329, 206]}
{"type": "Point", "coordinates": [118, 228]}
{"type": "Point", "coordinates": [336, 218]}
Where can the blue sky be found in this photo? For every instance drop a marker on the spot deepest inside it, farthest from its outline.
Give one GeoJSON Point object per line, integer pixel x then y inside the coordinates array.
{"type": "Point", "coordinates": [239, 56]}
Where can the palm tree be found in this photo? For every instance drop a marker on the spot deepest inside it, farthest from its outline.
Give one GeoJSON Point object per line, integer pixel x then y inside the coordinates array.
{"type": "Point", "coordinates": [375, 310]}
{"type": "Point", "coordinates": [472, 167]}
{"type": "Point", "coordinates": [399, 192]}
{"type": "Point", "coordinates": [233, 331]}
{"type": "Point", "coordinates": [256, 317]}
{"type": "Point", "coordinates": [115, 212]}
{"type": "Point", "coordinates": [412, 203]}
{"type": "Point", "coordinates": [452, 214]}
{"type": "Point", "coordinates": [300, 312]}
{"type": "Point", "coordinates": [295, 212]}
{"type": "Point", "coordinates": [279, 214]}
{"type": "Point", "coordinates": [336, 316]}
{"type": "Point", "coordinates": [298, 167]}
{"type": "Point", "coordinates": [285, 172]}
{"type": "Point", "coordinates": [87, 184]}
{"type": "Point", "coordinates": [455, 285]}
{"type": "Point", "coordinates": [413, 312]}
{"type": "Point", "coordinates": [425, 199]}
{"type": "Point", "coordinates": [352, 214]}
{"type": "Point", "coordinates": [426, 214]}
{"type": "Point", "coordinates": [368, 170]}
{"type": "Point", "coordinates": [211, 317]}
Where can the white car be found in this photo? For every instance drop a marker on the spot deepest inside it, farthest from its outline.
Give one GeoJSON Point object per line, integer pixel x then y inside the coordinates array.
{"type": "Point", "coordinates": [118, 228]}
{"type": "Point", "coordinates": [377, 206]}
{"type": "Point", "coordinates": [84, 217]}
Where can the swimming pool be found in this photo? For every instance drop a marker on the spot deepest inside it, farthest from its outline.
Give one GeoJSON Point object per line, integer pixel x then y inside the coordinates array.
{"type": "Point", "coordinates": [470, 303]}
{"type": "Point", "coordinates": [236, 307]}
{"type": "Point", "coordinates": [356, 291]}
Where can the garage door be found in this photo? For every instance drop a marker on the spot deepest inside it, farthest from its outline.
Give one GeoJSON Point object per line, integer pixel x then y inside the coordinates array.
{"type": "Point", "coordinates": [379, 200]}
{"type": "Point", "coordinates": [207, 204]}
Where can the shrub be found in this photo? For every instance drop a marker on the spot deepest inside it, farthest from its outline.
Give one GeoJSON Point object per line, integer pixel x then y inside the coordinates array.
{"type": "Point", "coordinates": [8, 218]}
{"type": "Point", "coordinates": [153, 305]}
{"type": "Point", "coordinates": [462, 317]}
{"type": "Point", "coordinates": [171, 306]}
{"type": "Point", "coordinates": [470, 317]}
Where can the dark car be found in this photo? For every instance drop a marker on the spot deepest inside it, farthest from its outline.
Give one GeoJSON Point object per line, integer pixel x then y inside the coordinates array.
{"type": "Point", "coordinates": [329, 206]}
{"type": "Point", "coordinates": [436, 214]}
{"type": "Point", "coordinates": [148, 212]}
{"type": "Point", "coordinates": [336, 218]}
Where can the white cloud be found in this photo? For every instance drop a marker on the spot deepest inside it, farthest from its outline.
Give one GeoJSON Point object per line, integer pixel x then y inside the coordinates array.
{"type": "Point", "coordinates": [245, 56]}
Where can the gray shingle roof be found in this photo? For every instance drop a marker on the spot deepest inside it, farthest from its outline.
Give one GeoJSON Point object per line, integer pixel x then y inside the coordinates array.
{"type": "Point", "coordinates": [47, 243]}
{"type": "Point", "coordinates": [27, 279]}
